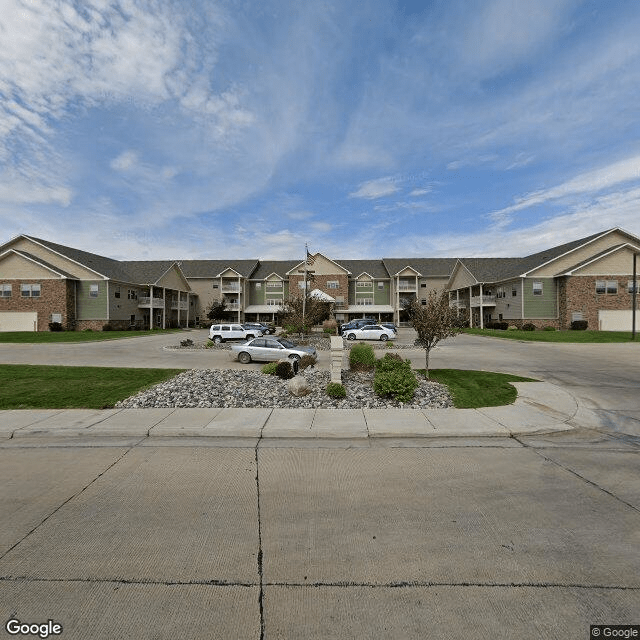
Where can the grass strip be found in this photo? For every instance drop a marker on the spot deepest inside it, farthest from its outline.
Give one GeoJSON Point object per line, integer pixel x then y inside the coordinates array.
{"type": "Point", "coordinates": [45, 337]}
{"type": "Point", "coordinates": [473, 389]}
{"type": "Point", "coordinates": [556, 336]}
{"type": "Point", "coordinates": [25, 386]}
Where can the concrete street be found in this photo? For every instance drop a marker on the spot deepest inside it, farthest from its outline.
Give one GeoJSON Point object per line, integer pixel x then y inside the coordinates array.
{"type": "Point", "coordinates": [273, 524]}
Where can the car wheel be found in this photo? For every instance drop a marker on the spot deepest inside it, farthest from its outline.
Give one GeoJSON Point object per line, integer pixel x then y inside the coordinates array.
{"type": "Point", "coordinates": [294, 356]}
{"type": "Point", "coordinates": [244, 357]}
{"type": "Point", "coordinates": [217, 339]}
{"type": "Point", "coordinates": [384, 337]}
{"type": "Point", "coordinates": [351, 336]}
{"type": "Point", "coordinates": [250, 336]}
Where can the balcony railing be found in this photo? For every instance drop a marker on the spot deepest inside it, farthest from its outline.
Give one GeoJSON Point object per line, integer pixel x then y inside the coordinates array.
{"type": "Point", "coordinates": [182, 305]}
{"type": "Point", "coordinates": [146, 302]}
{"type": "Point", "coordinates": [487, 301]}
{"type": "Point", "coordinates": [458, 304]}
{"type": "Point", "coordinates": [407, 286]}
{"type": "Point", "coordinates": [234, 306]}
{"type": "Point", "coordinates": [233, 287]}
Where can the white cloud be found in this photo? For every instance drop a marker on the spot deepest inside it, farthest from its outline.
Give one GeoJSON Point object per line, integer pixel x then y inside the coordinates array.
{"type": "Point", "coordinates": [374, 189]}
{"type": "Point", "coordinates": [420, 192]}
{"type": "Point", "coordinates": [125, 161]}
{"type": "Point", "coordinates": [586, 183]}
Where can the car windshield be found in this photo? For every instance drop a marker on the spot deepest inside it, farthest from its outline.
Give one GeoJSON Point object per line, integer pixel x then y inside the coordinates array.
{"type": "Point", "coordinates": [287, 344]}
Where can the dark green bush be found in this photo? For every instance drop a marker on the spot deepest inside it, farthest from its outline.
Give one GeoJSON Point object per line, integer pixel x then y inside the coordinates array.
{"type": "Point", "coordinates": [270, 368]}
{"type": "Point", "coordinates": [336, 390]}
{"type": "Point", "coordinates": [186, 343]}
{"type": "Point", "coordinates": [549, 329]}
{"type": "Point", "coordinates": [306, 361]}
{"type": "Point", "coordinates": [284, 370]}
{"type": "Point", "coordinates": [107, 327]}
{"type": "Point", "coordinates": [579, 325]}
{"type": "Point", "coordinates": [394, 378]}
{"type": "Point", "coordinates": [55, 326]}
{"type": "Point", "coordinates": [528, 326]}
{"type": "Point", "coordinates": [362, 358]}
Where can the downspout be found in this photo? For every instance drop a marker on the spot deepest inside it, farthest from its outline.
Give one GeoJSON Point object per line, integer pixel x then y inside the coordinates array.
{"type": "Point", "coordinates": [522, 301]}
{"type": "Point", "coordinates": [108, 303]}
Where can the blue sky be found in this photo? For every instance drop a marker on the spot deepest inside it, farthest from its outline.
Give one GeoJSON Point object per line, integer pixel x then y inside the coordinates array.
{"type": "Point", "coordinates": [247, 128]}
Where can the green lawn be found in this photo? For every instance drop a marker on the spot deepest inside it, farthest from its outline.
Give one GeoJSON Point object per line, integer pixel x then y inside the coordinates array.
{"type": "Point", "coordinates": [24, 337]}
{"type": "Point", "coordinates": [54, 387]}
{"type": "Point", "coordinates": [556, 336]}
{"type": "Point", "coordinates": [473, 389]}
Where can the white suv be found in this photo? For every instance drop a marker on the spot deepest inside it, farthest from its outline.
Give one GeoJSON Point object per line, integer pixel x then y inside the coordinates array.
{"type": "Point", "coordinates": [221, 332]}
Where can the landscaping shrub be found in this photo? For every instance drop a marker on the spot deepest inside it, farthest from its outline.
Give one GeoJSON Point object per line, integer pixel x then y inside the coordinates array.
{"type": "Point", "coordinates": [55, 326]}
{"type": "Point", "coordinates": [395, 378]}
{"type": "Point", "coordinates": [107, 327]}
{"type": "Point", "coordinates": [549, 329]}
{"type": "Point", "coordinates": [306, 361]}
{"type": "Point", "coordinates": [362, 358]}
{"type": "Point", "coordinates": [336, 390]}
{"type": "Point", "coordinates": [270, 368]}
{"type": "Point", "coordinates": [512, 327]}
{"type": "Point", "coordinates": [284, 370]}
{"type": "Point", "coordinates": [579, 325]}
{"type": "Point", "coordinates": [503, 326]}
{"type": "Point", "coordinates": [330, 326]}
{"type": "Point", "coordinates": [528, 326]}
{"type": "Point", "coordinates": [186, 343]}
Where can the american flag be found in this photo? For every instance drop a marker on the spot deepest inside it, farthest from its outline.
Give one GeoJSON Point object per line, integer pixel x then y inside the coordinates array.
{"type": "Point", "coordinates": [310, 259]}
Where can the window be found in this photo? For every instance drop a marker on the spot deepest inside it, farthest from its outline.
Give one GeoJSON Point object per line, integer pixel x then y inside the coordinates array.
{"type": "Point", "coordinates": [607, 286]}
{"type": "Point", "coordinates": [132, 318]}
{"type": "Point", "coordinates": [30, 290]}
{"type": "Point", "coordinates": [93, 290]}
{"type": "Point", "coordinates": [365, 284]}
{"type": "Point", "coordinates": [514, 290]}
{"type": "Point", "coordinates": [423, 301]}
{"type": "Point", "coordinates": [423, 285]}
{"type": "Point", "coordinates": [365, 301]}
{"type": "Point", "coordinates": [334, 284]}
{"type": "Point", "coordinates": [5, 290]}
{"type": "Point", "coordinates": [612, 286]}
{"type": "Point", "coordinates": [537, 287]}
{"type": "Point", "coordinates": [629, 286]}
{"type": "Point", "coordinates": [274, 285]}
{"type": "Point", "coordinates": [116, 293]}
{"type": "Point", "coordinates": [601, 286]}
{"type": "Point", "coordinates": [380, 285]}
{"type": "Point", "coordinates": [216, 285]}
{"type": "Point", "coordinates": [132, 294]}
{"type": "Point", "coordinates": [274, 302]}
{"type": "Point", "coordinates": [500, 292]}
{"type": "Point", "coordinates": [258, 285]}
{"type": "Point", "coordinates": [56, 317]}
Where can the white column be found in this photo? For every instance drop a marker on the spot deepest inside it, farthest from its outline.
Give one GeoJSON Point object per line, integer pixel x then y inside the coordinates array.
{"type": "Point", "coordinates": [239, 296]}
{"type": "Point", "coordinates": [179, 301]}
{"type": "Point", "coordinates": [164, 308]}
{"type": "Point", "coordinates": [151, 307]}
{"type": "Point", "coordinates": [470, 309]}
{"type": "Point", "coordinates": [481, 317]}
{"type": "Point", "coordinates": [188, 305]}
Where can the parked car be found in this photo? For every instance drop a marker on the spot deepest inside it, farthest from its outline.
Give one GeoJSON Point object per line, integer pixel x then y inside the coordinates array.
{"type": "Point", "coordinates": [268, 349]}
{"type": "Point", "coordinates": [371, 332]}
{"type": "Point", "coordinates": [356, 324]}
{"type": "Point", "coordinates": [221, 332]}
{"type": "Point", "coordinates": [266, 329]}
{"type": "Point", "coordinates": [389, 325]}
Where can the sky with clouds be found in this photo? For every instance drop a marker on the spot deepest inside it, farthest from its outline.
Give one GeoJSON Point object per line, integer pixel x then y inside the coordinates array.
{"type": "Point", "coordinates": [148, 129]}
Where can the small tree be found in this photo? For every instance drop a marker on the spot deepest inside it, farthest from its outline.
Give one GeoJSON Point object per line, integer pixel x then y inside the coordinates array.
{"type": "Point", "coordinates": [217, 309]}
{"type": "Point", "coordinates": [433, 321]}
{"type": "Point", "coordinates": [316, 310]}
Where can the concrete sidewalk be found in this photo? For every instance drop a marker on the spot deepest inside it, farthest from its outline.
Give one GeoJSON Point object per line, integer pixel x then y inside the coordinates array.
{"type": "Point", "coordinates": [540, 408]}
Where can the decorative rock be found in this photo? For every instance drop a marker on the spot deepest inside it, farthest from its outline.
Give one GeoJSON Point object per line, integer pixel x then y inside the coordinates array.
{"type": "Point", "coordinates": [299, 387]}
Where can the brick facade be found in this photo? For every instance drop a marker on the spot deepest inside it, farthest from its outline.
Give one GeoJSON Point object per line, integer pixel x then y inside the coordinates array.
{"type": "Point", "coordinates": [578, 294]}
{"type": "Point", "coordinates": [56, 296]}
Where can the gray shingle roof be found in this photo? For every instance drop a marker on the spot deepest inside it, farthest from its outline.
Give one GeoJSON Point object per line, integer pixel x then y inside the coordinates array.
{"type": "Point", "coordinates": [428, 267]}
{"type": "Point", "coordinates": [374, 268]}
{"type": "Point", "coordinates": [211, 268]}
{"type": "Point", "coordinates": [268, 267]}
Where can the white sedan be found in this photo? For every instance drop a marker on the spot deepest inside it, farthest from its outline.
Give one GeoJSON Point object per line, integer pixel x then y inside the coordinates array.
{"type": "Point", "coordinates": [371, 332]}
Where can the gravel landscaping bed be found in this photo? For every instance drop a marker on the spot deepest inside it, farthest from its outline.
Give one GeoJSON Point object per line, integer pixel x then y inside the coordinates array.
{"type": "Point", "coordinates": [244, 389]}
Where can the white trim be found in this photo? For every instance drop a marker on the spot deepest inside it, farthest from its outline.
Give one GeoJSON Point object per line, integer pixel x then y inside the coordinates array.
{"type": "Point", "coordinates": [17, 252]}
{"type": "Point", "coordinates": [626, 245]}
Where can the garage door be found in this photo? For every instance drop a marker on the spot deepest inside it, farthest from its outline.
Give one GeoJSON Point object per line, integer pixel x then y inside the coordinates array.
{"type": "Point", "coordinates": [18, 320]}
{"type": "Point", "coordinates": [619, 320]}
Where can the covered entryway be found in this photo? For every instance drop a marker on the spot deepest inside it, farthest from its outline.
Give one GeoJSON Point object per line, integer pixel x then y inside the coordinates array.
{"type": "Point", "coordinates": [18, 320]}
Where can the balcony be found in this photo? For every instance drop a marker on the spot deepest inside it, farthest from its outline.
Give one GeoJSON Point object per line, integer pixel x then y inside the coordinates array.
{"type": "Point", "coordinates": [458, 304]}
{"type": "Point", "coordinates": [231, 287]}
{"type": "Point", "coordinates": [145, 302]}
{"type": "Point", "coordinates": [487, 301]}
{"type": "Point", "coordinates": [407, 286]}
{"type": "Point", "coordinates": [182, 305]}
{"type": "Point", "coordinates": [234, 306]}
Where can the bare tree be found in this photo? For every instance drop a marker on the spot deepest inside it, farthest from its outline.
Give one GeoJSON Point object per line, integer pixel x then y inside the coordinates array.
{"type": "Point", "coordinates": [302, 314]}
{"type": "Point", "coordinates": [433, 321]}
{"type": "Point", "coordinates": [217, 309]}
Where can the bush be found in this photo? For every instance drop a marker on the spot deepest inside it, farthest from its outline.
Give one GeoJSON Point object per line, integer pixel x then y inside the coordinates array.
{"type": "Point", "coordinates": [330, 326]}
{"type": "Point", "coordinates": [107, 327]}
{"type": "Point", "coordinates": [55, 326]}
{"type": "Point", "coordinates": [549, 329]}
{"type": "Point", "coordinates": [186, 343]}
{"type": "Point", "coordinates": [528, 326]}
{"type": "Point", "coordinates": [336, 390]}
{"type": "Point", "coordinates": [362, 358]}
{"type": "Point", "coordinates": [395, 378]}
{"type": "Point", "coordinates": [270, 368]}
{"type": "Point", "coordinates": [306, 361]}
{"type": "Point", "coordinates": [512, 327]}
{"type": "Point", "coordinates": [579, 325]}
{"type": "Point", "coordinates": [284, 370]}
{"type": "Point", "coordinates": [85, 330]}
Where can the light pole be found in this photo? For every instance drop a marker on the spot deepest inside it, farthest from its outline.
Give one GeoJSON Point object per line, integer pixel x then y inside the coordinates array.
{"type": "Point", "coordinates": [634, 295]}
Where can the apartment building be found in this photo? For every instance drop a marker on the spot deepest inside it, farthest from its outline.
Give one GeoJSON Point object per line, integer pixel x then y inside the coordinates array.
{"type": "Point", "coordinates": [43, 282]}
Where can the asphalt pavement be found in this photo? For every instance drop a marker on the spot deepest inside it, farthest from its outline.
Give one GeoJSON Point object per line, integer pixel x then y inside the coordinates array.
{"type": "Point", "coordinates": [512, 522]}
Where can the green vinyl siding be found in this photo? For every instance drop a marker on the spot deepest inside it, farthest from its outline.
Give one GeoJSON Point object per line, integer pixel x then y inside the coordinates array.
{"type": "Point", "coordinates": [382, 296]}
{"type": "Point", "coordinates": [540, 306]}
{"type": "Point", "coordinates": [92, 308]}
{"type": "Point", "coordinates": [257, 293]}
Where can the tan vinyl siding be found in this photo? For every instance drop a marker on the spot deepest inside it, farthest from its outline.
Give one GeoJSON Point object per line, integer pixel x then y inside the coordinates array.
{"type": "Point", "coordinates": [15, 266]}
{"type": "Point", "coordinates": [52, 258]}
{"type": "Point", "coordinates": [92, 308]}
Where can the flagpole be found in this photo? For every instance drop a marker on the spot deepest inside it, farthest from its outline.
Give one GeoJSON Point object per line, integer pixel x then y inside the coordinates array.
{"type": "Point", "coordinates": [304, 291]}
